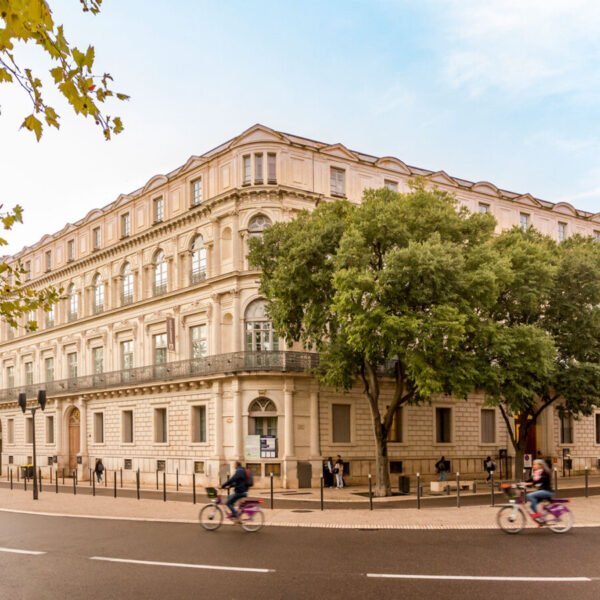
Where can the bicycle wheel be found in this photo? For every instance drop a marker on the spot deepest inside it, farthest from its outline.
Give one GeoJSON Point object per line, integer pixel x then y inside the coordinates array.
{"type": "Point", "coordinates": [510, 519]}
{"type": "Point", "coordinates": [211, 517]}
{"type": "Point", "coordinates": [563, 523]}
{"type": "Point", "coordinates": [252, 521]}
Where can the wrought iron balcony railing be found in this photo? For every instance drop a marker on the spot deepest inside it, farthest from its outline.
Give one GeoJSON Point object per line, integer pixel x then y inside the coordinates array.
{"type": "Point", "coordinates": [234, 362]}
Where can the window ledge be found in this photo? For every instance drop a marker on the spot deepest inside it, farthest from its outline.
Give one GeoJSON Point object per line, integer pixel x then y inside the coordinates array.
{"type": "Point", "coordinates": [336, 195]}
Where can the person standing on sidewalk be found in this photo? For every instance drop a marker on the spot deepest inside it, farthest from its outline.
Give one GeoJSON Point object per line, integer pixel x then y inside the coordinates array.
{"type": "Point", "coordinates": [98, 470]}
{"type": "Point", "coordinates": [339, 472]}
{"type": "Point", "coordinates": [441, 466]}
{"type": "Point", "coordinates": [490, 466]}
{"type": "Point", "coordinates": [328, 472]}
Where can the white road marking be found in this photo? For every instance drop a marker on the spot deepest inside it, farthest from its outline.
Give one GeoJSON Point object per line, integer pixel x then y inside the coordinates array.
{"type": "Point", "coordinates": [481, 578]}
{"type": "Point", "coordinates": [181, 565]}
{"type": "Point", "coordinates": [16, 551]}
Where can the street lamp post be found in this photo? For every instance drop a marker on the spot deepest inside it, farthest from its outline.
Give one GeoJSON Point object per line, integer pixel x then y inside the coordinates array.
{"type": "Point", "coordinates": [23, 404]}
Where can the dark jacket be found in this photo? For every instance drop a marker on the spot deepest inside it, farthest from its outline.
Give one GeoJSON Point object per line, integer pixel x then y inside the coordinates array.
{"type": "Point", "coordinates": [543, 483]}
{"type": "Point", "coordinates": [238, 481]}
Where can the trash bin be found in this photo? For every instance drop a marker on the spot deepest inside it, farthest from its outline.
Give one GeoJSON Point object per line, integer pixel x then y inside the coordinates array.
{"type": "Point", "coordinates": [404, 484]}
{"type": "Point", "coordinates": [27, 471]}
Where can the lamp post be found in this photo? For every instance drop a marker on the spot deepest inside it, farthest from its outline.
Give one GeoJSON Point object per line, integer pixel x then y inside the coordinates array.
{"type": "Point", "coordinates": [23, 404]}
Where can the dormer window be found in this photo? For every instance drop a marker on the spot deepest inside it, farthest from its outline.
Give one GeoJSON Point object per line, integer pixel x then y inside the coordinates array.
{"type": "Point", "coordinates": [71, 250]}
{"type": "Point", "coordinates": [96, 238]}
{"type": "Point", "coordinates": [159, 209]}
{"type": "Point", "coordinates": [338, 182]}
{"type": "Point", "coordinates": [197, 191]}
{"type": "Point", "coordinates": [48, 261]}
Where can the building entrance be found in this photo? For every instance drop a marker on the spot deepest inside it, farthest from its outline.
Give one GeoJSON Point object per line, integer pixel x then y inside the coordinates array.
{"type": "Point", "coordinates": [74, 438]}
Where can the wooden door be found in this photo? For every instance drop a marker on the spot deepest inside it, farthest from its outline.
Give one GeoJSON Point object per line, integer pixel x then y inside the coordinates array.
{"type": "Point", "coordinates": [74, 439]}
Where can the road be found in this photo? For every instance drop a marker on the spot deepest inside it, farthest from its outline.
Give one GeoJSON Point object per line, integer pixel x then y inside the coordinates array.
{"type": "Point", "coordinates": [78, 561]}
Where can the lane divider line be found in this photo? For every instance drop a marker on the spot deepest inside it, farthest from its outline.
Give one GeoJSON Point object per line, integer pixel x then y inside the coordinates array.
{"type": "Point", "coordinates": [181, 565]}
{"type": "Point", "coordinates": [481, 578]}
{"type": "Point", "coordinates": [16, 551]}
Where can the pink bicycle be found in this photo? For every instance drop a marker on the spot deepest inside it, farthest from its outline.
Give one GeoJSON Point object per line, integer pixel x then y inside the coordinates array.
{"type": "Point", "coordinates": [251, 516]}
{"type": "Point", "coordinates": [511, 517]}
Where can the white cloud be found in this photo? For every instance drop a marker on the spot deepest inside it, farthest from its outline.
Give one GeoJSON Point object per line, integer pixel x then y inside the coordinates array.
{"type": "Point", "coordinates": [535, 46]}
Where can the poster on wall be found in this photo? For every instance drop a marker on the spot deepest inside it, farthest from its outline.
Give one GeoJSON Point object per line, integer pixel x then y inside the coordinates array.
{"type": "Point", "coordinates": [268, 446]}
{"type": "Point", "coordinates": [253, 447]}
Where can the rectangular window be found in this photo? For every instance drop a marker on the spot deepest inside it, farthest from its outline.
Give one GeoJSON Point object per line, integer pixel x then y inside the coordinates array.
{"type": "Point", "coordinates": [72, 365]}
{"type": "Point", "coordinates": [484, 208]}
{"type": "Point", "coordinates": [127, 427]}
{"type": "Point", "coordinates": [488, 426]}
{"type": "Point", "coordinates": [10, 377]}
{"type": "Point", "coordinates": [597, 428]}
{"type": "Point", "coordinates": [271, 167]}
{"type": "Point", "coordinates": [340, 418]}
{"type": "Point", "coordinates": [443, 425]}
{"type": "Point", "coordinates": [524, 221]}
{"type": "Point", "coordinates": [160, 425]}
{"type": "Point", "coordinates": [10, 332]}
{"type": "Point", "coordinates": [48, 260]}
{"type": "Point", "coordinates": [198, 342]}
{"type": "Point", "coordinates": [71, 250]}
{"type": "Point", "coordinates": [258, 168]}
{"type": "Point", "coordinates": [198, 424]}
{"type": "Point", "coordinates": [159, 209]}
{"type": "Point", "coordinates": [247, 170]}
{"type": "Point", "coordinates": [28, 271]}
{"type": "Point", "coordinates": [98, 360]}
{"type": "Point", "coordinates": [96, 238]}
{"type": "Point", "coordinates": [197, 191]}
{"type": "Point", "coordinates": [98, 428]}
{"type": "Point", "coordinates": [28, 430]}
{"type": "Point", "coordinates": [338, 182]}
{"type": "Point", "coordinates": [127, 355]}
{"type": "Point", "coordinates": [49, 430]}
{"type": "Point", "coordinates": [562, 232]}
{"type": "Point", "coordinates": [28, 373]}
{"type": "Point", "coordinates": [11, 431]}
{"type": "Point", "coordinates": [160, 349]}
{"type": "Point", "coordinates": [395, 434]}
{"type": "Point", "coordinates": [125, 225]}
{"type": "Point", "coordinates": [49, 368]}
{"type": "Point", "coordinates": [50, 317]}
{"type": "Point", "coordinates": [566, 429]}
{"type": "Point", "coordinates": [390, 185]}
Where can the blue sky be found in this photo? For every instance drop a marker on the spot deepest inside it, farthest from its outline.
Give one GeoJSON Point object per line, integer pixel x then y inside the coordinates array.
{"type": "Point", "coordinates": [501, 90]}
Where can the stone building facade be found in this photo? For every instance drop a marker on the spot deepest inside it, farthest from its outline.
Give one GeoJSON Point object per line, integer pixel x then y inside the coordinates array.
{"type": "Point", "coordinates": [159, 356]}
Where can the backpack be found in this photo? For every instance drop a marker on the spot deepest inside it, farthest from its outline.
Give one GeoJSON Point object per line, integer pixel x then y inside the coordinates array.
{"type": "Point", "coordinates": [249, 478]}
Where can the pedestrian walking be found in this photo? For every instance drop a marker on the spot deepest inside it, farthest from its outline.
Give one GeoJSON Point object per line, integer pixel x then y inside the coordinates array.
{"type": "Point", "coordinates": [328, 468]}
{"type": "Point", "coordinates": [98, 470]}
{"type": "Point", "coordinates": [442, 467]}
{"type": "Point", "coordinates": [339, 472]}
{"type": "Point", "coordinates": [490, 467]}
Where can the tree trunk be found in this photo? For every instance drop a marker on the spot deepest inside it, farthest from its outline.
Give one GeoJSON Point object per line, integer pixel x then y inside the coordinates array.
{"type": "Point", "coordinates": [519, 461]}
{"type": "Point", "coordinates": [382, 485]}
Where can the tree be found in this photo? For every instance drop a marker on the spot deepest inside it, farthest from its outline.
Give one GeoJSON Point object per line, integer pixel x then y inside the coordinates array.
{"type": "Point", "coordinates": [390, 290]}
{"type": "Point", "coordinates": [72, 71]}
{"type": "Point", "coordinates": [17, 297]}
{"type": "Point", "coordinates": [543, 339]}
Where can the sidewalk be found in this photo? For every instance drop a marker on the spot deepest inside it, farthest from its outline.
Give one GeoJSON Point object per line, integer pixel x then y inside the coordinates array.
{"type": "Point", "coordinates": [586, 510]}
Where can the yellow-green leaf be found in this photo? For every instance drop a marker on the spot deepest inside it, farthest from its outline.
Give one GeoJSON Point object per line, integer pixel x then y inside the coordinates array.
{"type": "Point", "coordinates": [58, 74]}
{"type": "Point", "coordinates": [5, 75]}
{"type": "Point", "coordinates": [33, 124]}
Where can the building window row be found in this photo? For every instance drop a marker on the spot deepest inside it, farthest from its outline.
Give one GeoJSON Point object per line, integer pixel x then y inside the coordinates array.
{"type": "Point", "coordinates": [256, 170]}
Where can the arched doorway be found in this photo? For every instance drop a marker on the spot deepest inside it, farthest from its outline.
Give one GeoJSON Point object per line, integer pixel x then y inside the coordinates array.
{"type": "Point", "coordinates": [74, 438]}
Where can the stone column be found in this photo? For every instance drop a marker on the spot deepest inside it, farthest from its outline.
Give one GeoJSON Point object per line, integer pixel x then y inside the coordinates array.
{"type": "Point", "coordinates": [147, 281]}
{"type": "Point", "coordinates": [288, 407]}
{"type": "Point", "coordinates": [216, 253]}
{"type": "Point", "coordinates": [218, 400]}
{"type": "Point", "coordinates": [59, 431]}
{"type": "Point", "coordinates": [216, 324]}
{"type": "Point", "coordinates": [238, 449]}
{"type": "Point", "coordinates": [171, 273]}
{"type": "Point", "coordinates": [237, 322]}
{"type": "Point", "coordinates": [235, 241]}
{"type": "Point", "coordinates": [315, 449]}
{"type": "Point", "coordinates": [82, 469]}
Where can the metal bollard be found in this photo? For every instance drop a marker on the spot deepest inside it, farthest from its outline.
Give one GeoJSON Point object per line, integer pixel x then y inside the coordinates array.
{"type": "Point", "coordinates": [587, 481]}
{"type": "Point", "coordinates": [493, 491]}
{"type": "Point", "coordinates": [105, 477]}
{"type": "Point", "coordinates": [164, 486]}
{"type": "Point", "coordinates": [137, 483]}
{"type": "Point", "coordinates": [50, 475]}
{"type": "Point", "coordinates": [18, 476]}
{"type": "Point", "coordinates": [418, 490]}
{"type": "Point", "coordinates": [157, 479]}
{"type": "Point", "coordinates": [176, 480]}
{"type": "Point", "coordinates": [74, 484]}
{"type": "Point", "coordinates": [555, 479]}
{"type": "Point", "coordinates": [121, 477]}
{"type": "Point", "coordinates": [93, 486]}
{"type": "Point", "coordinates": [40, 477]}
{"type": "Point", "coordinates": [63, 476]}
{"type": "Point", "coordinates": [457, 489]}
{"type": "Point", "coordinates": [193, 488]}
{"type": "Point", "coordinates": [91, 476]}
{"type": "Point", "coordinates": [272, 503]}
{"type": "Point", "coordinates": [56, 481]}
{"type": "Point", "coordinates": [115, 483]}
{"type": "Point", "coordinates": [474, 487]}
{"type": "Point", "coordinates": [322, 503]}
{"type": "Point", "coordinates": [11, 480]}
{"type": "Point", "coordinates": [370, 492]}
{"type": "Point", "coordinates": [25, 483]}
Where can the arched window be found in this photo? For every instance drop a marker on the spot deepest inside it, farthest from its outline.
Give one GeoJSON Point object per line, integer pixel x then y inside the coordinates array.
{"type": "Point", "coordinates": [126, 284]}
{"type": "Point", "coordinates": [98, 286]}
{"type": "Point", "coordinates": [73, 303]}
{"type": "Point", "coordinates": [257, 225]}
{"type": "Point", "coordinates": [198, 267]}
{"type": "Point", "coordinates": [262, 417]}
{"type": "Point", "coordinates": [160, 273]}
{"type": "Point", "coordinates": [260, 336]}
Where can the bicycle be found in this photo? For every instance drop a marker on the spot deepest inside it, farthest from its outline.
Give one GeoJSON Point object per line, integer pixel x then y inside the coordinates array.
{"type": "Point", "coordinates": [511, 517]}
{"type": "Point", "coordinates": [251, 516]}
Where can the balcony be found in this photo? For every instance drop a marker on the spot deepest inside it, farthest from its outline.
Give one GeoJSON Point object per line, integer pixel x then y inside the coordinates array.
{"type": "Point", "coordinates": [235, 362]}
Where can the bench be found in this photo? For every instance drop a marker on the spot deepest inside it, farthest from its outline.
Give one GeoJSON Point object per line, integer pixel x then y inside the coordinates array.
{"type": "Point", "coordinates": [440, 487]}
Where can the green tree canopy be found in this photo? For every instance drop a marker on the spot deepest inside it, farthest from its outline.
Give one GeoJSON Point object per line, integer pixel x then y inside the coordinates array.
{"type": "Point", "coordinates": [395, 287]}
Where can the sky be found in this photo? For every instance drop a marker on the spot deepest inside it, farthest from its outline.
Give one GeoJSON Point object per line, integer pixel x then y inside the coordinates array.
{"type": "Point", "coordinates": [506, 91]}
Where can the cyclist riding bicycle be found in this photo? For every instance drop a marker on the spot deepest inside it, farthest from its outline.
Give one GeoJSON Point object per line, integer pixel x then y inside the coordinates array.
{"type": "Point", "coordinates": [239, 482]}
{"type": "Point", "coordinates": [542, 480]}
